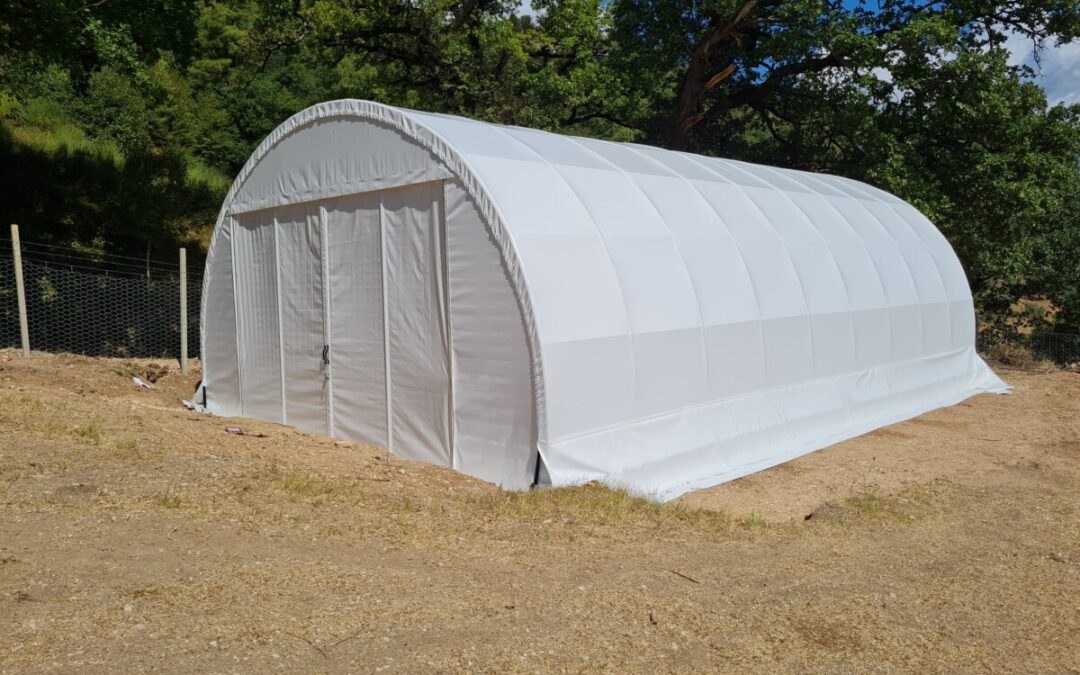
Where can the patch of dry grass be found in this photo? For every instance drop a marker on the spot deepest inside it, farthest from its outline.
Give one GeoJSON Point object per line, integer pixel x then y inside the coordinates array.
{"type": "Point", "coordinates": [596, 504]}
{"type": "Point", "coordinates": [299, 484]}
{"type": "Point", "coordinates": [1017, 356]}
{"type": "Point", "coordinates": [754, 521]}
{"type": "Point", "coordinates": [912, 504]}
{"type": "Point", "coordinates": [147, 372]}
{"type": "Point", "coordinates": [21, 405]}
{"type": "Point", "coordinates": [168, 500]}
{"type": "Point", "coordinates": [90, 433]}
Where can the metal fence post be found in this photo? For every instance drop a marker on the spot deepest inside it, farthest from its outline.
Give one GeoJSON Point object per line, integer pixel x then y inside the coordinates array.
{"type": "Point", "coordinates": [24, 328]}
{"type": "Point", "coordinates": [183, 311]}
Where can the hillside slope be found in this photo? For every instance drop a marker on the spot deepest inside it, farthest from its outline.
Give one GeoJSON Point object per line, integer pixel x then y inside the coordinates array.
{"type": "Point", "coordinates": [136, 534]}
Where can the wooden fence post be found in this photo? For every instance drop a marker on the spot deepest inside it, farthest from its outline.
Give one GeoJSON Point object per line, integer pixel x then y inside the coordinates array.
{"type": "Point", "coordinates": [24, 327]}
{"type": "Point", "coordinates": [183, 311]}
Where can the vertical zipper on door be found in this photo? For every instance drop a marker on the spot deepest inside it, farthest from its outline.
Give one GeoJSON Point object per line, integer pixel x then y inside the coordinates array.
{"type": "Point", "coordinates": [324, 258]}
{"type": "Point", "coordinates": [386, 327]}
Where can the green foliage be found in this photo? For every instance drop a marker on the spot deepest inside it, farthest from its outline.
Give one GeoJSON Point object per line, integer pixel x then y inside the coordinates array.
{"type": "Point", "coordinates": [115, 110]}
{"type": "Point", "coordinates": [121, 122]}
{"type": "Point", "coordinates": [979, 152]}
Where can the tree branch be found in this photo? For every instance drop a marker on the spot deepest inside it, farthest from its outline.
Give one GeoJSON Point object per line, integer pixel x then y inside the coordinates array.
{"type": "Point", "coordinates": [700, 72]}
{"type": "Point", "coordinates": [758, 95]}
{"type": "Point", "coordinates": [575, 117]}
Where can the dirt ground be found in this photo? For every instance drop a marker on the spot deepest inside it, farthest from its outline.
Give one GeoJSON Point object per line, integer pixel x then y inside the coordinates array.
{"type": "Point", "coordinates": [969, 443]}
{"type": "Point", "coordinates": [138, 536]}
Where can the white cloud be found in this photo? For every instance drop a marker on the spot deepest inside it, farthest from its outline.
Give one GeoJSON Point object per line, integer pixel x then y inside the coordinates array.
{"type": "Point", "coordinates": [1058, 70]}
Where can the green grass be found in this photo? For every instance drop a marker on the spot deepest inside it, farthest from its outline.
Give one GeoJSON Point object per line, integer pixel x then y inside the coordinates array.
{"type": "Point", "coordinates": [44, 127]}
{"type": "Point", "coordinates": [199, 174]}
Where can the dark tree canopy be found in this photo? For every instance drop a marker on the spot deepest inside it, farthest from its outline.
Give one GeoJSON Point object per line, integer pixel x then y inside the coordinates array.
{"type": "Point", "coordinates": [712, 60]}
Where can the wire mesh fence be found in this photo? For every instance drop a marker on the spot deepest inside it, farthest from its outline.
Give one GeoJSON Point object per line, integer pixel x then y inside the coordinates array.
{"type": "Point", "coordinates": [86, 305]}
{"type": "Point", "coordinates": [1061, 348]}
{"type": "Point", "coordinates": [1034, 350]}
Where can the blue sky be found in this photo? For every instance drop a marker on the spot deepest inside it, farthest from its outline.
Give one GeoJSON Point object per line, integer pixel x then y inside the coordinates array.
{"type": "Point", "coordinates": [1058, 74]}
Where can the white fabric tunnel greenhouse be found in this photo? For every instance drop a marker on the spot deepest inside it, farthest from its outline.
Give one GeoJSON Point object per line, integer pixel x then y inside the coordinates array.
{"type": "Point", "coordinates": [524, 306]}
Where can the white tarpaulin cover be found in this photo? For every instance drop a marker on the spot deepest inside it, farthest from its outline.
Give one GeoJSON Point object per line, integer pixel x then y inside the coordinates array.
{"type": "Point", "coordinates": [477, 296]}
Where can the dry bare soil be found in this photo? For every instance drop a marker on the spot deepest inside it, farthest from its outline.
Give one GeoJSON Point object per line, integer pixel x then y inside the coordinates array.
{"type": "Point", "coordinates": [138, 536]}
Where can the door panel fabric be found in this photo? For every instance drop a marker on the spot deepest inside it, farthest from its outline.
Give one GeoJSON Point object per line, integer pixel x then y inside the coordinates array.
{"type": "Point", "coordinates": [416, 331]}
{"type": "Point", "coordinates": [300, 279]}
{"type": "Point", "coordinates": [494, 419]}
{"type": "Point", "coordinates": [343, 320]}
{"type": "Point", "coordinates": [221, 370]}
{"type": "Point", "coordinates": [358, 360]}
{"type": "Point", "coordinates": [257, 315]}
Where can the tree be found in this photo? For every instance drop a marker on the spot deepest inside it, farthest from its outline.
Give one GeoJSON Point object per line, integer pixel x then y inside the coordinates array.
{"type": "Point", "coordinates": [473, 57]}
{"type": "Point", "coordinates": [710, 62]}
{"type": "Point", "coordinates": [83, 36]}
